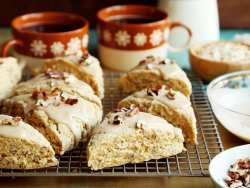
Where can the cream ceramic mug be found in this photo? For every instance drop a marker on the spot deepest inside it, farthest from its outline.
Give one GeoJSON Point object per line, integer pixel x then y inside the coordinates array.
{"type": "Point", "coordinates": [129, 33]}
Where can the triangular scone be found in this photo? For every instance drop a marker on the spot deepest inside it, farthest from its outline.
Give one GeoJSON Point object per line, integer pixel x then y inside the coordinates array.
{"type": "Point", "coordinates": [171, 105]}
{"type": "Point", "coordinates": [130, 136]}
{"type": "Point", "coordinates": [62, 113]}
{"type": "Point", "coordinates": [11, 72]}
{"type": "Point", "coordinates": [88, 70]}
{"type": "Point", "coordinates": [23, 147]}
{"type": "Point", "coordinates": [154, 71]}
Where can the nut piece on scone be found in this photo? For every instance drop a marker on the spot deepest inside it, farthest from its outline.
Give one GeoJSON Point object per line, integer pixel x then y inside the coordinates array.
{"type": "Point", "coordinates": [171, 105]}
{"type": "Point", "coordinates": [124, 138]}
{"type": "Point", "coordinates": [65, 112]}
{"type": "Point", "coordinates": [22, 146]}
{"type": "Point", "coordinates": [154, 71]}
{"type": "Point", "coordinates": [86, 68]}
{"type": "Point", "coordinates": [11, 73]}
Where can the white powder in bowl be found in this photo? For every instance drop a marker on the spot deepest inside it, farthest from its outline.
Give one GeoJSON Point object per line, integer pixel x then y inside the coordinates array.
{"type": "Point", "coordinates": [243, 38]}
{"type": "Point", "coordinates": [225, 51]}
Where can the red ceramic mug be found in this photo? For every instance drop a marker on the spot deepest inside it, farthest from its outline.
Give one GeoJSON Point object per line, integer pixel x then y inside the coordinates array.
{"type": "Point", "coordinates": [129, 33]}
{"type": "Point", "coordinates": [44, 35]}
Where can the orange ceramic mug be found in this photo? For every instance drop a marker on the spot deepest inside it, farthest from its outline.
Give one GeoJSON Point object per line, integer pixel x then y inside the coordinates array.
{"type": "Point", "coordinates": [44, 35]}
{"type": "Point", "coordinates": [129, 33]}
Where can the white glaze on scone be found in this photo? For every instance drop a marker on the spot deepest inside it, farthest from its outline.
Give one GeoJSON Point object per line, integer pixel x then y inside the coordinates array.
{"type": "Point", "coordinates": [171, 105]}
{"type": "Point", "coordinates": [130, 136]}
{"type": "Point", "coordinates": [22, 130]}
{"type": "Point", "coordinates": [153, 71]}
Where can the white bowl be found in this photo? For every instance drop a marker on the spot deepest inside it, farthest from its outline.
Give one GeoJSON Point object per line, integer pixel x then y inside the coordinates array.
{"type": "Point", "coordinates": [229, 96]}
{"type": "Point", "coordinates": [220, 164]}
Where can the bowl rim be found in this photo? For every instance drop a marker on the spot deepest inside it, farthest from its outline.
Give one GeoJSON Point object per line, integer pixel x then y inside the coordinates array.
{"type": "Point", "coordinates": [225, 152]}
{"type": "Point", "coordinates": [221, 78]}
{"type": "Point", "coordinates": [192, 51]}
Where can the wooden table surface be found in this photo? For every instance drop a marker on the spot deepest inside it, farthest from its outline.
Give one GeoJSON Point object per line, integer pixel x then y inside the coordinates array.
{"type": "Point", "coordinates": [228, 141]}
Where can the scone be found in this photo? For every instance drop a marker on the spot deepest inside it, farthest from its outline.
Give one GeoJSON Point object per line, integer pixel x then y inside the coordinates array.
{"type": "Point", "coordinates": [171, 105]}
{"type": "Point", "coordinates": [130, 136]}
{"type": "Point", "coordinates": [154, 71]}
{"type": "Point", "coordinates": [64, 115]}
{"type": "Point", "coordinates": [86, 68]}
{"type": "Point", "coordinates": [23, 147]}
{"type": "Point", "coordinates": [11, 73]}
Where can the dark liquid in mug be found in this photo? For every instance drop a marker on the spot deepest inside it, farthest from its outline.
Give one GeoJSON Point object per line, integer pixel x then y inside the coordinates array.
{"type": "Point", "coordinates": [132, 19]}
{"type": "Point", "coordinates": [52, 28]}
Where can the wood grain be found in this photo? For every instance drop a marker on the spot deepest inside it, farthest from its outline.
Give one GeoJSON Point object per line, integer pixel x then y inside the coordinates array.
{"type": "Point", "coordinates": [234, 13]}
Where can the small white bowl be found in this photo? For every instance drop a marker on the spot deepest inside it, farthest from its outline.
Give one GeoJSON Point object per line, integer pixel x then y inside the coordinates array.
{"type": "Point", "coordinates": [220, 164]}
{"type": "Point", "coordinates": [229, 96]}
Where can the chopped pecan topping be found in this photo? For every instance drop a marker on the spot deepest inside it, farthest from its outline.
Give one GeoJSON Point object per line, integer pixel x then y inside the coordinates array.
{"type": "Point", "coordinates": [117, 120]}
{"type": "Point", "coordinates": [239, 174]}
{"type": "Point", "coordinates": [162, 62]}
{"type": "Point", "coordinates": [153, 90]}
{"type": "Point", "coordinates": [132, 111]}
{"type": "Point", "coordinates": [123, 109]}
{"type": "Point", "coordinates": [139, 124]}
{"type": "Point", "coordinates": [55, 92]}
{"type": "Point", "coordinates": [166, 61]}
{"type": "Point", "coordinates": [54, 74]}
{"type": "Point", "coordinates": [149, 60]}
{"type": "Point", "coordinates": [71, 101]}
{"type": "Point", "coordinates": [151, 57]}
{"type": "Point", "coordinates": [84, 58]}
{"type": "Point", "coordinates": [142, 62]}
{"type": "Point", "coordinates": [170, 94]}
{"type": "Point", "coordinates": [36, 94]}
{"type": "Point", "coordinates": [244, 164]}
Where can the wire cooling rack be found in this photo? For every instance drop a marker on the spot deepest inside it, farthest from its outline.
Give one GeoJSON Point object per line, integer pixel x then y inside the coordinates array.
{"type": "Point", "coordinates": [193, 162]}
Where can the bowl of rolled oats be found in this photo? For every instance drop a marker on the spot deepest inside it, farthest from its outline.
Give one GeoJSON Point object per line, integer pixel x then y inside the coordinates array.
{"type": "Point", "coordinates": [231, 168]}
{"type": "Point", "coordinates": [213, 59]}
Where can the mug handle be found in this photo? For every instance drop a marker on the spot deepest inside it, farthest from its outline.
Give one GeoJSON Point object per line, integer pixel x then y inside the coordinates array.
{"type": "Point", "coordinates": [8, 45]}
{"type": "Point", "coordinates": [179, 24]}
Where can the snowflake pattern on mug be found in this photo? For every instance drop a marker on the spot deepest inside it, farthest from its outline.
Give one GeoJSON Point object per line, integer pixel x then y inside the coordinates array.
{"type": "Point", "coordinates": [155, 37]}
{"type": "Point", "coordinates": [107, 36]}
{"type": "Point", "coordinates": [166, 34]}
{"type": "Point", "coordinates": [38, 48]}
{"type": "Point", "coordinates": [85, 41]}
{"type": "Point", "coordinates": [74, 45]}
{"type": "Point", "coordinates": [140, 39]}
{"type": "Point", "coordinates": [122, 38]}
{"type": "Point", "coordinates": [57, 48]}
